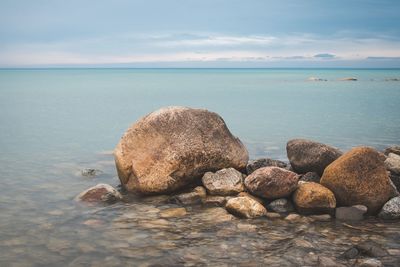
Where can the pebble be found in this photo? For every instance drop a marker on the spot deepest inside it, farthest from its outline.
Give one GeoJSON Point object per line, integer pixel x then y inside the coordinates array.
{"type": "Point", "coordinates": [293, 217]}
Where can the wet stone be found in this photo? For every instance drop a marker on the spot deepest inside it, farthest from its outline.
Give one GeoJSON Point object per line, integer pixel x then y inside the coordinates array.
{"type": "Point", "coordinates": [293, 217]}
{"type": "Point", "coordinates": [351, 253]}
{"type": "Point", "coordinates": [328, 262]}
{"type": "Point", "coordinates": [224, 182]}
{"type": "Point", "coordinates": [310, 177]}
{"type": "Point", "coordinates": [273, 215]}
{"type": "Point", "coordinates": [371, 249]}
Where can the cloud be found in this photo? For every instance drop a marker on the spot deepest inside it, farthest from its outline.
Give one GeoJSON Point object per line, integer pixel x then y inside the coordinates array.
{"type": "Point", "coordinates": [325, 56]}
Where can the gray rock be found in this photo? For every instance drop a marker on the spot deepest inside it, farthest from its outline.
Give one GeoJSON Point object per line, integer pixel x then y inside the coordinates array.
{"type": "Point", "coordinates": [369, 263]}
{"type": "Point", "coordinates": [281, 205]}
{"type": "Point", "coordinates": [392, 149]}
{"type": "Point", "coordinates": [353, 213]}
{"type": "Point", "coordinates": [196, 196]}
{"type": "Point", "coordinates": [100, 193]}
{"type": "Point", "coordinates": [391, 209]}
{"type": "Point", "coordinates": [309, 156]}
{"type": "Point", "coordinates": [310, 177]}
{"type": "Point", "coordinates": [264, 162]}
{"type": "Point", "coordinates": [245, 207]}
{"type": "Point", "coordinates": [392, 163]}
{"type": "Point", "coordinates": [371, 249]}
{"type": "Point", "coordinates": [224, 182]}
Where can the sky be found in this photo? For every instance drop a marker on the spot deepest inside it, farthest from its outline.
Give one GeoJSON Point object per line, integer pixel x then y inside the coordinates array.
{"type": "Point", "coordinates": [200, 33]}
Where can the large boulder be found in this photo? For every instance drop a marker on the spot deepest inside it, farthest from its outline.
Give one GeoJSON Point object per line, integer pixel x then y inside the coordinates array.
{"type": "Point", "coordinates": [224, 182]}
{"type": "Point", "coordinates": [174, 146]}
{"type": "Point", "coordinates": [309, 156]}
{"type": "Point", "coordinates": [392, 163]}
{"type": "Point", "coordinates": [271, 182]}
{"type": "Point", "coordinates": [313, 198]}
{"type": "Point", "coordinates": [245, 207]}
{"type": "Point", "coordinates": [359, 177]}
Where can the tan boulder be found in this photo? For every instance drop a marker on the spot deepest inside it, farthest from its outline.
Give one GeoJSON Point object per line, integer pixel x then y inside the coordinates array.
{"type": "Point", "coordinates": [359, 177]}
{"type": "Point", "coordinates": [174, 146]}
{"type": "Point", "coordinates": [313, 198]}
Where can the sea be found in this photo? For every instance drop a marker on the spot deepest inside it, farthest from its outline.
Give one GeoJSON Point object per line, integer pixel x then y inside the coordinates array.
{"type": "Point", "coordinates": [54, 123]}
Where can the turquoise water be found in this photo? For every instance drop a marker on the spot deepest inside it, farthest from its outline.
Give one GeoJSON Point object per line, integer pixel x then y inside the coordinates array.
{"type": "Point", "coordinates": [55, 122]}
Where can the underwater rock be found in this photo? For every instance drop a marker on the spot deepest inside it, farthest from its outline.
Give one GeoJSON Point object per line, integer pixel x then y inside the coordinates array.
{"type": "Point", "coordinates": [195, 196]}
{"type": "Point", "coordinates": [100, 193]}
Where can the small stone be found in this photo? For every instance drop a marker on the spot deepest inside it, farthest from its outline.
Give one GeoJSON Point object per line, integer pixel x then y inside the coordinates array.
{"type": "Point", "coordinates": [245, 207]}
{"type": "Point", "coordinates": [100, 193]}
{"type": "Point", "coordinates": [173, 212]}
{"type": "Point", "coordinates": [91, 172]}
{"type": "Point", "coordinates": [214, 201]}
{"type": "Point", "coordinates": [224, 182]}
{"type": "Point", "coordinates": [321, 218]}
{"type": "Point", "coordinates": [369, 263]}
{"type": "Point", "coordinates": [310, 177]}
{"type": "Point", "coordinates": [264, 162]}
{"type": "Point", "coordinates": [348, 79]}
{"type": "Point", "coordinates": [281, 205]}
{"type": "Point", "coordinates": [245, 194]}
{"type": "Point", "coordinates": [391, 209]}
{"type": "Point", "coordinates": [194, 197]}
{"type": "Point", "coordinates": [394, 252]}
{"type": "Point", "coordinates": [273, 215]}
{"type": "Point", "coordinates": [392, 163]}
{"type": "Point", "coordinates": [353, 213]}
{"type": "Point", "coordinates": [293, 217]}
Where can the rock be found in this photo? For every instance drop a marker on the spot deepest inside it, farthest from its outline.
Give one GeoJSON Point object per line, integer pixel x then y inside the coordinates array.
{"type": "Point", "coordinates": [353, 213]}
{"type": "Point", "coordinates": [351, 253]}
{"type": "Point", "coordinates": [196, 196]}
{"type": "Point", "coordinates": [309, 156]}
{"type": "Point", "coordinates": [313, 198]}
{"type": "Point", "coordinates": [224, 182]}
{"type": "Point", "coordinates": [310, 177]}
{"type": "Point", "coordinates": [371, 249]}
{"type": "Point", "coordinates": [245, 207]}
{"type": "Point", "coordinates": [321, 218]}
{"type": "Point", "coordinates": [173, 147]}
{"type": "Point", "coordinates": [273, 215]}
{"type": "Point", "coordinates": [271, 182]}
{"type": "Point", "coordinates": [369, 263]}
{"type": "Point", "coordinates": [359, 177]}
{"type": "Point", "coordinates": [173, 212]}
{"type": "Point", "coordinates": [348, 79]}
{"type": "Point", "coordinates": [281, 205]}
{"type": "Point", "coordinates": [391, 209]}
{"type": "Point", "coordinates": [214, 201]}
{"type": "Point", "coordinates": [100, 193]}
{"type": "Point", "coordinates": [392, 149]}
{"type": "Point", "coordinates": [392, 163]}
{"type": "Point", "coordinates": [328, 262]}
{"type": "Point", "coordinates": [259, 163]}
{"type": "Point", "coordinates": [293, 217]}
{"type": "Point", "coordinates": [90, 172]}
{"type": "Point", "coordinates": [245, 194]}
{"type": "Point", "coordinates": [395, 180]}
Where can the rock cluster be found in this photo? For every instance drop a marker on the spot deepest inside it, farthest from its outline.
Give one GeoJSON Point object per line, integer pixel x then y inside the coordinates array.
{"type": "Point", "coordinates": [191, 155]}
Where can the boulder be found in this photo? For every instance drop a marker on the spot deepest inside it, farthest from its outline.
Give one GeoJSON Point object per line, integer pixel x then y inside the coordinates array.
{"type": "Point", "coordinates": [173, 147]}
{"type": "Point", "coordinates": [259, 163]}
{"type": "Point", "coordinates": [313, 198]}
{"type": "Point", "coordinates": [359, 177]}
{"type": "Point", "coordinates": [100, 193]}
{"type": "Point", "coordinates": [271, 182]}
{"type": "Point", "coordinates": [310, 177]}
{"type": "Point", "coordinates": [392, 163]}
{"type": "Point", "coordinates": [391, 209]}
{"type": "Point", "coordinates": [392, 149]}
{"type": "Point", "coordinates": [224, 182]}
{"type": "Point", "coordinates": [281, 205]}
{"type": "Point", "coordinates": [193, 197]}
{"type": "Point", "coordinates": [353, 213]}
{"type": "Point", "coordinates": [309, 156]}
{"type": "Point", "coordinates": [245, 207]}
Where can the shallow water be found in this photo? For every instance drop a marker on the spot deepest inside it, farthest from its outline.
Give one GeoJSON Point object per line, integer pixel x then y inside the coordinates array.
{"type": "Point", "coordinates": [55, 123]}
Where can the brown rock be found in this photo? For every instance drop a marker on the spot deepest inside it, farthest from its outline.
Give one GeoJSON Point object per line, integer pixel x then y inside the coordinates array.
{"type": "Point", "coordinates": [271, 182]}
{"type": "Point", "coordinates": [309, 156]}
{"type": "Point", "coordinates": [359, 177]}
{"type": "Point", "coordinates": [245, 207]}
{"type": "Point", "coordinates": [224, 182]}
{"type": "Point", "coordinates": [313, 198]}
{"type": "Point", "coordinates": [174, 146]}
{"type": "Point", "coordinates": [100, 193]}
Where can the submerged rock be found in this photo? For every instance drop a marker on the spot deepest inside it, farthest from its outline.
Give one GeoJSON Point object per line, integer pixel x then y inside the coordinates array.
{"type": "Point", "coordinates": [100, 193]}
{"type": "Point", "coordinates": [371, 249]}
{"type": "Point", "coordinates": [224, 182]}
{"type": "Point", "coordinates": [359, 177]}
{"type": "Point", "coordinates": [313, 198]}
{"type": "Point", "coordinates": [271, 182]}
{"type": "Point", "coordinates": [259, 163]}
{"type": "Point", "coordinates": [281, 205]}
{"type": "Point", "coordinates": [310, 177]}
{"type": "Point", "coordinates": [309, 156]}
{"type": "Point", "coordinates": [392, 149]}
{"type": "Point", "coordinates": [353, 213]}
{"type": "Point", "coordinates": [196, 196]}
{"type": "Point", "coordinates": [392, 163]}
{"type": "Point", "coordinates": [245, 207]}
{"type": "Point", "coordinates": [173, 212]}
{"type": "Point", "coordinates": [391, 209]}
{"type": "Point", "coordinates": [174, 146]}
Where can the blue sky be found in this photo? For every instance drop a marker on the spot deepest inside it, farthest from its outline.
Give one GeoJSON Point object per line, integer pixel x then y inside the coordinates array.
{"type": "Point", "coordinates": [200, 33]}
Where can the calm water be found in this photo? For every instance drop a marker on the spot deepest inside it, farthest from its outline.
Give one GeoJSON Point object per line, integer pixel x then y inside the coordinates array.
{"type": "Point", "coordinates": [53, 123]}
